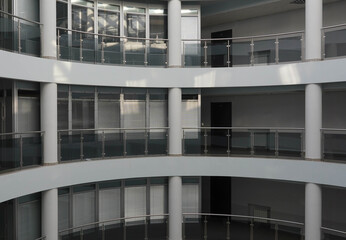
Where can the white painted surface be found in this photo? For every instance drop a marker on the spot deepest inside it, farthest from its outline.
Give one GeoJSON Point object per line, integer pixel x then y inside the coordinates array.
{"type": "Point", "coordinates": [175, 208]}
{"type": "Point", "coordinates": [313, 211]}
{"type": "Point", "coordinates": [174, 121]}
{"type": "Point", "coordinates": [38, 179]}
{"type": "Point", "coordinates": [313, 26]}
{"type": "Point", "coordinates": [49, 124]}
{"type": "Point", "coordinates": [48, 31]}
{"type": "Point", "coordinates": [47, 70]}
{"type": "Point", "coordinates": [174, 33]}
{"type": "Point", "coordinates": [50, 214]}
{"type": "Point", "coordinates": [313, 121]}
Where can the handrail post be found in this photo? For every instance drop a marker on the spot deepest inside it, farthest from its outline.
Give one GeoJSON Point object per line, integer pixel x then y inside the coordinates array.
{"type": "Point", "coordinates": [80, 47]}
{"type": "Point", "coordinates": [145, 229]}
{"type": "Point", "coordinates": [146, 135]}
{"type": "Point", "coordinates": [103, 232]}
{"type": "Point", "coordinates": [228, 143]}
{"type": "Point", "coordinates": [124, 139]}
{"type": "Point", "coordinates": [205, 54]}
{"type": "Point", "coordinates": [21, 150]}
{"type": "Point", "coordinates": [252, 57]}
{"type": "Point", "coordinates": [19, 37]}
{"type": "Point", "coordinates": [205, 142]}
{"type": "Point", "coordinates": [252, 142]}
{"type": "Point", "coordinates": [59, 147]}
{"type": "Point", "coordinates": [302, 52]}
{"type": "Point", "coordinates": [58, 45]}
{"type": "Point", "coordinates": [81, 146]}
{"type": "Point", "coordinates": [205, 235]}
{"type": "Point", "coordinates": [302, 143]}
{"type": "Point", "coordinates": [228, 54]}
{"type": "Point", "coordinates": [183, 56]}
{"type": "Point", "coordinates": [146, 52]}
{"type": "Point", "coordinates": [251, 229]}
{"type": "Point", "coordinates": [167, 53]}
{"type": "Point", "coordinates": [322, 144]}
{"type": "Point", "coordinates": [302, 234]}
{"type": "Point", "coordinates": [323, 47]}
{"type": "Point", "coordinates": [124, 50]}
{"type": "Point", "coordinates": [276, 143]}
{"type": "Point", "coordinates": [277, 50]}
{"type": "Point", "coordinates": [183, 228]}
{"type": "Point", "coordinates": [228, 232]}
{"type": "Point", "coordinates": [276, 232]}
{"type": "Point", "coordinates": [183, 143]}
{"type": "Point", "coordinates": [167, 142]}
{"type": "Point", "coordinates": [124, 230]}
{"type": "Point", "coordinates": [103, 144]}
{"type": "Point", "coordinates": [102, 51]}
{"type": "Point", "coordinates": [81, 234]}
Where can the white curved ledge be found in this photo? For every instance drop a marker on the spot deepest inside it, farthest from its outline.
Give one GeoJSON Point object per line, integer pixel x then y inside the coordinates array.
{"type": "Point", "coordinates": [24, 182]}
{"type": "Point", "coordinates": [18, 66]}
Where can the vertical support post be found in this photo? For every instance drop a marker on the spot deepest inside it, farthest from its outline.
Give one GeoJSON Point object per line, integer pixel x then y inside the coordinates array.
{"type": "Point", "coordinates": [124, 230]}
{"type": "Point", "coordinates": [228, 231]}
{"type": "Point", "coordinates": [174, 120]}
{"type": "Point", "coordinates": [205, 142]}
{"type": "Point", "coordinates": [313, 26]}
{"type": "Point", "coordinates": [205, 53]}
{"type": "Point", "coordinates": [21, 150]}
{"type": "Point", "coordinates": [124, 138]}
{"type": "Point", "coordinates": [48, 20]}
{"type": "Point", "coordinates": [58, 45]}
{"type": "Point", "coordinates": [81, 146]}
{"type": "Point", "coordinates": [59, 146]}
{"type": "Point", "coordinates": [323, 43]}
{"type": "Point", "coordinates": [276, 143]}
{"type": "Point", "coordinates": [174, 33]}
{"type": "Point", "coordinates": [252, 142]}
{"type": "Point", "coordinates": [102, 52]}
{"type": "Point", "coordinates": [175, 208]}
{"type": "Point", "coordinates": [50, 214]}
{"type": "Point", "coordinates": [19, 37]}
{"type": "Point", "coordinates": [103, 232]}
{"type": "Point", "coordinates": [146, 52]}
{"type": "Point", "coordinates": [322, 144]}
{"type": "Point", "coordinates": [313, 211]}
{"type": "Point", "coordinates": [81, 234]}
{"type": "Point", "coordinates": [81, 47]}
{"type": "Point", "coordinates": [228, 143]}
{"type": "Point", "coordinates": [122, 41]}
{"type": "Point", "coordinates": [146, 135]}
{"type": "Point", "coordinates": [205, 235]}
{"type": "Point", "coordinates": [276, 232]}
{"type": "Point", "coordinates": [103, 144]}
{"type": "Point", "coordinates": [228, 54]}
{"type": "Point", "coordinates": [251, 229]}
{"type": "Point", "coordinates": [277, 50]}
{"type": "Point", "coordinates": [252, 57]}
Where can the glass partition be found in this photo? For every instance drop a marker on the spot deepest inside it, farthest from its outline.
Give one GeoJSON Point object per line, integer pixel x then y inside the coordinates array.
{"type": "Point", "coordinates": [334, 145]}
{"type": "Point", "coordinates": [290, 49]}
{"type": "Point", "coordinates": [335, 42]}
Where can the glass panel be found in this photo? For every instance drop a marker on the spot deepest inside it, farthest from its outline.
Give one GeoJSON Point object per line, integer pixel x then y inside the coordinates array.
{"type": "Point", "coordinates": [240, 142]}
{"type": "Point", "coordinates": [193, 141]}
{"type": "Point", "coordinates": [157, 53]}
{"type": "Point", "coordinates": [335, 43]}
{"type": "Point", "coordinates": [134, 9]}
{"type": "Point", "coordinates": [193, 228]}
{"type": "Point", "coordinates": [32, 149]}
{"type": "Point", "coordinates": [7, 220]}
{"type": "Point", "coordinates": [158, 27]}
{"type": "Point", "coordinates": [241, 53]}
{"type": "Point", "coordinates": [61, 15]}
{"type": "Point", "coordinates": [264, 51]}
{"type": "Point", "coordinates": [28, 9]}
{"type": "Point", "coordinates": [82, 18]}
{"type": "Point", "coordinates": [135, 203]}
{"type": "Point", "coordinates": [109, 114]}
{"type": "Point", "coordinates": [290, 144]}
{"type": "Point", "coordinates": [135, 52]}
{"type": "Point", "coordinates": [134, 114]}
{"type": "Point", "coordinates": [217, 53]}
{"type": "Point", "coordinates": [70, 146]}
{"type": "Point", "coordinates": [290, 49]}
{"type": "Point", "coordinates": [64, 46]}
{"type": "Point", "coordinates": [109, 204]}
{"type": "Point", "coordinates": [158, 202]}
{"type": "Point", "coordinates": [108, 6]}
{"type": "Point", "coordinates": [289, 232]}
{"type": "Point", "coordinates": [193, 54]}
{"type": "Point", "coordinates": [62, 114]}
{"type": "Point", "coordinates": [239, 228]}
{"type": "Point", "coordinates": [158, 230]}
{"type": "Point", "coordinates": [114, 144]}
{"type": "Point", "coordinates": [83, 208]}
{"type": "Point", "coordinates": [157, 142]}
{"type": "Point", "coordinates": [30, 37]}
{"type": "Point", "coordinates": [190, 199]}
{"type": "Point", "coordinates": [334, 146]}
{"type": "Point", "coordinates": [29, 220]}
{"type": "Point", "coordinates": [135, 25]}
{"type": "Point", "coordinates": [109, 23]}
{"type": "Point", "coordinates": [83, 114]}
{"type": "Point", "coordinates": [64, 213]}
{"type": "Point", "coordinates": [135, 142]}
{"type": "Point", "coordinates": [9, 152]}
{"type": "Point", "coordinates": [217, 141]}
{"type": "Point", "coordinates": [92, 145]}
{"type": "Point", "coordinates": [264, 143]}
{"type": "Point", "coordinates": [8, 33]}
{"type": "Point", "coordinates": [28, 120]}
{"type": "Point", "coordinates": [112, 50]}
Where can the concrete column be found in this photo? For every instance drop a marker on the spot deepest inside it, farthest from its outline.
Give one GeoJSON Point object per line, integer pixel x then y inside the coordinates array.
{"type": "Point", "coordinates": [313, 121]}
{"type": "Point", "coordinates": [49, 122]}
{"type": "Point", "coordinates": [50, 214]}
{"type": "Point", "coordinates": [313, 26]}
{"type": "Point", "coordinates": [48, 30]}
{"type": "Point", "coordinates": [174, 120]}
{"type": "Point", "coordinates": [174, 33]}
{"type": "Point", "coordinates": [313, 211]}
{"type": "Point", "coordinates": [175, 208]}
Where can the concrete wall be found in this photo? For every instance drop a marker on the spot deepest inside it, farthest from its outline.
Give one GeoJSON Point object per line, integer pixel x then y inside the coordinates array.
{"type": "Point", "coordinates": [264, 110]}
{"type": "Point", "coordinates": [334, 109]}
{"type": "Point", "coordinates": [334, 13]}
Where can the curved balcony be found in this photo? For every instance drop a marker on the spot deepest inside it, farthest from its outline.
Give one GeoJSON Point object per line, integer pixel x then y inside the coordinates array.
{"type": "Point", "coordinates": [195, 226]}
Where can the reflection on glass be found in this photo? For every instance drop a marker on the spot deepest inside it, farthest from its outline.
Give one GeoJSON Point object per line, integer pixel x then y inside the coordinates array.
{"type": "Point", "coordinates": [335, 43]}
{"type": "Point", "coordinates": [135, 25]}
{"type": "Point", "coordinates": [158, 27]}
{"type": "Point", "coordinates": [290, 49]}
{"type": "Point", "coordinates": [241, 53]}
{"type": "Point", "coordinates": [264, 51]}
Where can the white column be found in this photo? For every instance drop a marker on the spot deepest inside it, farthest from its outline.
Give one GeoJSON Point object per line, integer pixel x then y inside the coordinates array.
{"type": "Point", "coordinates": [174, 120]}
{"type": "Point", "coordinates": [50, 214]}
{"type": "Point", "coordinates": [313, 121]}
{"type": "Point", "coordinates": [313, 26]}
{"type": "Point", "coordinates": [313, 211]}
{"type": "Point", "coordinates": [175, 208]}
{"type": "Point", "coordinates": [174, 33]}
{"type": "Point", "coordinates": [49, 122]}
{"type": "Point", "coordinates": [48, 31]}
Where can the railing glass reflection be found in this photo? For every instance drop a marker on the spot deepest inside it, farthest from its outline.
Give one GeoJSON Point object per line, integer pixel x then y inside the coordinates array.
{"type": "Point", "coordinates": [141, 227]}
{"type": "Point", "coordinates": [334, 41]}
{"type": "Point", "coordinates": [18, 150]}
{"type": "Point", "coordinates": [107, 143]}
{"type": "Point", "coordinates": [244, 141]}
{"type": "Point", "coordinates": [257, 50]}
{"type": "Point", "coordinates": [19, 35]}
{"type": "Point", "coordinates": [107, 49]}
{"type": "Point", "coordinates": [333, 144]}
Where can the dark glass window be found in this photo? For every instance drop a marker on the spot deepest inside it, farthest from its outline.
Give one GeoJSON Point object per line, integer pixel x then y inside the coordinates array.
{"type": "Point", "coordinates": [158, 27]}
{"type": "Point", "coordinates": [61, 15]}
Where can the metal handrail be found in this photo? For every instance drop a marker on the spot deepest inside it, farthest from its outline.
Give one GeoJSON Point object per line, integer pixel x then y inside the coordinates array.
{"type": "Point", "coordinates": [41, 238]}
{"type": "Point", "coordinates": [112, 220]}
{"type": "Point", "coordinates": [333, 230]}
{"type": "Point", "coordinates": [21, 133]}
{"type": "Point", "coordinates": [31, 21]}
{"type": "Point", "coordinates": [112, 129]}
{"type": "Point", "coordinates": [332, 129]}
{"type": "Point", "coordinates": [112, 36]}
{"type": "Point", "coordinates": [246, 37]}
{"type": "Point", "coordinates": [245, 128]}
{"type": "Point", "coordinates": [335, 26]}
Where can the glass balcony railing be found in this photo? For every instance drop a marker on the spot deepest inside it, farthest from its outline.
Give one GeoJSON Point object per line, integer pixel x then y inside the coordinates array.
{"type": "Point", "coordinates": [110, 143]}
{"type": "Point", "coordinates": [247, 51]}
{"type": "Point", "coordinates": [19, 150]}
{"type": "Point", "coordinates": [81, 46]}
{"type": "Point", "coordinates": [140, 227]}
{"type": "Point", "coordinates": [334, 144]}
{"type": "Point", "coordinates": [20, 35]}
{"type": "Point", "coordinates": [244, 142]}
{"type": "Point", "coordinates": [334, 41]}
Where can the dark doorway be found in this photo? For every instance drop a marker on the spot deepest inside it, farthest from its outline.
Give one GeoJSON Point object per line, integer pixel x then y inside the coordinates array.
{"type": "Point", "coordinates": [219, 50]}
{"type": "Point", "coordinates": [220, 195]}
{"type": "Point", "coordinates": [221, 117]}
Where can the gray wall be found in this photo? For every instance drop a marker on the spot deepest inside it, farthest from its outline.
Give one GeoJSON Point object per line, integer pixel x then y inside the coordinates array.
{"type": "Point", "coordinates": [334, 208]}
{"type": "Point", "coordinates": [334, 109]}
{"type": "Point", "coordinates": [264, 110]}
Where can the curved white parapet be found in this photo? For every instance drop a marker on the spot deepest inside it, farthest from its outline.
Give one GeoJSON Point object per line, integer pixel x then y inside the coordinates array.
{"type": "Point", "coordinates": [18, 66]}
{"type": "Point", "coordinates": [24, 182]}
